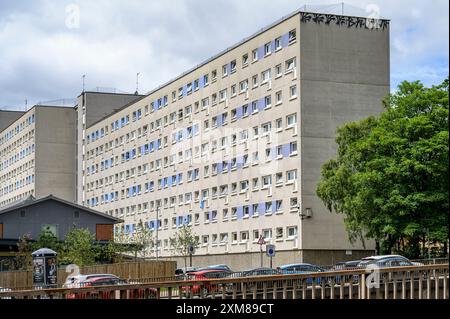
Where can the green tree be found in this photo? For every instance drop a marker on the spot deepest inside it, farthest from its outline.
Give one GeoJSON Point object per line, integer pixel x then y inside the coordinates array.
{"type": "Point", "coordinates": [79, 248]}
{"type": "Point", "coordinates": [390, 177]}
{"type": "Point", "coordinates": [23, 258]}
{"type": "Point", "coordinates": [139, 243]}
{"type": "Point", "coordinates": [182, 240]}
{"type": "Point", "coordinates": [47, 239]}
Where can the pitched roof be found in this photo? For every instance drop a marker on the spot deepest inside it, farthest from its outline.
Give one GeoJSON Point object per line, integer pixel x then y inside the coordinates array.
{"type": "Point", "coordinates": [29, 201]}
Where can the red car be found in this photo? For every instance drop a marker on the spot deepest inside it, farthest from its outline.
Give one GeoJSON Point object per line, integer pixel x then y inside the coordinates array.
{"type": "Point", "coordinates": [201, 276]}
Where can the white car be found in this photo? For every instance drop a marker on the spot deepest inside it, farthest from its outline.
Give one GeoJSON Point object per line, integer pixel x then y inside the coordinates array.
{"type": "Point", "coordinates": [387, 261]}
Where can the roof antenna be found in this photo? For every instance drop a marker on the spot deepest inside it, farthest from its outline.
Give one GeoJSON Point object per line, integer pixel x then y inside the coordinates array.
{"type": "Point", "coordinates": [26, 105]}
{"type": "Point", "coordinates": [84, 77]}
{"type": "Point", "coordinates": [137, 84]}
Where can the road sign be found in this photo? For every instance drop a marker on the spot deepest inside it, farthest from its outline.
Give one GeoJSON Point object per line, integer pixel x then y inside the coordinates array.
{"type": "Point", "coordinates": [191, 249]}
{"type": "Point", "coordinates": [261, 240]}
{"type": "Point", "coordinates": [270, 250]}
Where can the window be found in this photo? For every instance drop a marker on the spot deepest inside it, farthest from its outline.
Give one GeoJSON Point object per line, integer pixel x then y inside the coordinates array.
{"type": "Point", "coordinates": [266, 127]}
{"type": "Point", "coordinates": [279, 232]}
{"type": "Point", "coordinates": [268, 101]}
{"type": "Point", "coordinates": [293, 148]}
{"type": "Point", "coordinates": [234, 237]}
{"type": "Point", "coordinates": [205, 102]}
{"type": "Point", "coordinates": [267, 49]}
{"type": "Point", "coordinates": [294, 203]}
{"type": "Point", "coordinates": [265, 76]}
{"type": "Point", "coordinates": [214, 75]}
{"type": "Point", "coordinates": [233, 90]}
{"type": "Point", "coordinates": [278, 71]}
{"type": "Point", "coordinates": [279, 178]}
{"type": "Point", "coordinates": [205, 239]}
{"type": "Point", "coordinates": [279, 124]}
{"type": "Point", "coordinates": [292, 36]}
{"type": "Point", "coordinates": [291, 175]}
{"type": "Point", "coordinates": [233, 66]}
{"type": "Point", "coordinates": [224, 237]}
{"type": "Point", "coordinates": [291, 120]}
{"type": "Point", "coordinates": [225, 70]}
{"type": "Point", "coordinates": [266, 180]}
{"type": "Point", "coordinates": [267, 233]}
{"type": "Point", "coordinates": [293, 91]}
{"type": "Point", "coordinates": [225, 214]}
{"type": "Point", "coordinates": [255, 81]}
{"type": "Point", "coordinates": [244, 236]}
{"type": "Point", "coordinates": [205, 80]}
{"type": "Point", "coordinates": [243, 86]}
{"type": "Point", "coordinates": [278, 97]}
{"type": "Point", "coordinates": [292, 231]}
{"type": "Point", "coordinates": [223, 95]}
{"type": "Point", "coordinates": [245, 59]}
{"type": "Point", "coordinates": [278, 43]}
{"type": "Point", "coordinates": [255, 55]}
{"type": "Point", "coordinates": [255, 183]}
{"type": "Point", "coordinates": [244, 186]}
{"type": "Point", "coordinates": [254, 107]}
{"type": "Point", "coordinates": [255, 234]}
{"type": "Point", "coordinates": [290, 65]}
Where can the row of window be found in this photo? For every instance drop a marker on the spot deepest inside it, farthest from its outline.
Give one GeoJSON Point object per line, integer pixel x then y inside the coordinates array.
{"type": "Point", "coordinates": [264, 51]}
{"type": "Point", "coordinates": [210, 217]}
{"type": "Point", "coordinates": [179, 136]}
{"type": "Point", "coordinates": [12, 174]}
{"type": "Point", "coordinates": [17, 143]}
{"type": "Point", "coordinates": [16, 198]}
{"type": "Point", "coordinates": [271, 153]}
{"type": "Point", "coordinates": [17, 185]}
{"type": "Point", "coordinates": [14, 131]}
{"type": "Point", "coordinates": [16, 157]}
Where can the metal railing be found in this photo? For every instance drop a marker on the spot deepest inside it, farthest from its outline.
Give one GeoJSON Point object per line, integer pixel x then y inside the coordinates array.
{"type": "Point", "coordinates": [411, 282]}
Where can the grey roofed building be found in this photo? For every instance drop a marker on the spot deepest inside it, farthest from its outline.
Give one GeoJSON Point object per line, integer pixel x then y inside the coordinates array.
{"type": "Point", "coordinates": [30, 216]}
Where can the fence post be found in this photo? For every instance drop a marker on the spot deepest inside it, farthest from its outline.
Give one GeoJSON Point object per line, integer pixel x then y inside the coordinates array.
{"type": "Point", "coordinates": [363, 286]}
{"type": "Point", "coordinates": [294, 289]}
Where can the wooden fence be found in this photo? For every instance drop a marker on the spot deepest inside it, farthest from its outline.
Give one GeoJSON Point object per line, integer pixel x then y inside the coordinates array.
{"type": "Point", "coordinates": [410, 282]}
{"type": "Point", "coordinates": [129, 270]}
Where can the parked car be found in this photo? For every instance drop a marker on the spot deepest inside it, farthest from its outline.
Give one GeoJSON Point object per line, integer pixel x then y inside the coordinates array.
{"type": "Point", "coordinates": [302, 268]}
{"type": "Point", "coordinates": [216, 267]}
{"type": "Point", "coordinates": [345, 265]}
{"type": "Point", "coordinates": [91, 280]}
{"type": "Point", "coordinates": [261, 272]}
{"type": "Point", "coordinates": [78, 281]}
{"type": "Point", "coordinates": [204, 275]}
{"type": "Point", "coordinates": [2, 289]}
{"type": "Point", "coordinates": [181, 273]}
{"type": "Point", "coordinates": [387, 261]}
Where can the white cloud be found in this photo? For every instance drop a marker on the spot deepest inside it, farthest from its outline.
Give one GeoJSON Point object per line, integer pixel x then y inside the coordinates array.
{"type": "Point", "coordinates": [42, 59]}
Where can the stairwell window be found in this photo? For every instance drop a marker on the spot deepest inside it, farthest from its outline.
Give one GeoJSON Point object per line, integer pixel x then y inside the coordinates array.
{"type": "Point", "coordinates": [233, 66]}
{"type": "Point", "coordinates": [290, 65]}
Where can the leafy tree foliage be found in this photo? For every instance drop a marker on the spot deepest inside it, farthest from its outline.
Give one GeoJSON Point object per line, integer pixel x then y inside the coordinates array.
{"type": "Point", "coordinates": [182, 240]}
{"type": "Point", "coordinates": [390, 177]}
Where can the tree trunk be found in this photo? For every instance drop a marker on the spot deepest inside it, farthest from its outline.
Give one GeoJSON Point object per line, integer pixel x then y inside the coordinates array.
{"type": "Point", "coordinates": [377, 247]}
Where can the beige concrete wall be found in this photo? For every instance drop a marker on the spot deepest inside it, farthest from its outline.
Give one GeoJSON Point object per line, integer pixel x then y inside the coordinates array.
{"type": "Point", "coordinates": [344, 76]}
{"type": "Point", "coordinates": [55, 152]}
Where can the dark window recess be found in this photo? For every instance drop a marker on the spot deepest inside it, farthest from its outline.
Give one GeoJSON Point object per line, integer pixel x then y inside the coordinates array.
{"type": "Point", "coordinates": [76, 214]}
{"type": "Point", "coordinates": [22, 213]}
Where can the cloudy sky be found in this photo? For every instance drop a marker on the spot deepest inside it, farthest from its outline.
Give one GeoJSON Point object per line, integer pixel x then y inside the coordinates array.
{"type": "Point", "coordinates": [46, 46]}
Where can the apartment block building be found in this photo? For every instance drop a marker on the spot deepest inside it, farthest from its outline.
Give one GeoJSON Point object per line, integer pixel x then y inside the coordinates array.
{"type": "Point", "coordinates": [234, 147]}
{"type": "Point", "coordinates": [38, 155]}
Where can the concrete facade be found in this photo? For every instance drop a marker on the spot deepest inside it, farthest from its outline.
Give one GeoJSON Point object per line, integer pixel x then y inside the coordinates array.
{"type": "Point", "coordinates": [92, 107]}
{"type": "Point", "coordinates": [38, 155]}
{"type": "Point", "coordinates": [248, 142]}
